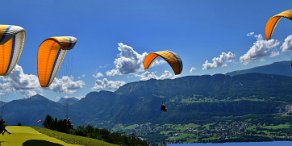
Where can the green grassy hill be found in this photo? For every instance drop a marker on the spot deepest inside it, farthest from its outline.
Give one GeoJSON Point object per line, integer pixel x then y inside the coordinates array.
{"type": "Point", "coordinates": [73, 139]}
{"type": "Point", "coordinates": [35, 136]}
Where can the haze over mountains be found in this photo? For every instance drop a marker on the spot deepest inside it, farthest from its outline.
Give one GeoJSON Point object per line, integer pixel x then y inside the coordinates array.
{"type": "Point", "coordinates": [189, 99]}
{"type": "Point", "coordinates": [68, 101]}
{"type": "Point", "coordinates": [277, 68]}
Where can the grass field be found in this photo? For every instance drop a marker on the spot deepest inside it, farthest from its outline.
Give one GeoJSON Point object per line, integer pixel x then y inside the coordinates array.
{"type": "Point", "coordinates": [34, 136]}
{"type": "Point", "coordinates": [73, 139]}
{"type": "Point", "coordinates": [27, 136]}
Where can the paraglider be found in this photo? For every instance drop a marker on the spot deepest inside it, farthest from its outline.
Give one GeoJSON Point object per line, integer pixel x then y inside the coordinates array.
{"type": "Point", "coordinates": [11, 44]}
{"type": "Point", "coordinates": [272, 22]}
{"type": "Point", "coordinates": [172, 59]}
{"type": "Point", "coordinates": [51, 53]}
{"type": "Point", "coordinates": [163, 108]}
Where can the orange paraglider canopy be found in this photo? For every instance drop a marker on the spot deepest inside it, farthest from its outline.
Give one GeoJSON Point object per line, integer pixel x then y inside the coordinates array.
{"type": "Point", "coordinates": [11, 45]}
{"type": "Point", "coordinates": [273, 21]}
{"type": "Point", "coordinates": [171, 58]}
{"type": "Point", "coordinates": [51, 53]}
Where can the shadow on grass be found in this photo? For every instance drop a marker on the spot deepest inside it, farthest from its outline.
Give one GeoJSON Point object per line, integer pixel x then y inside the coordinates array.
{"type": "Point", "coordinates": [40, 143]}
{"type": "Point", "coordinates": [1, 142]}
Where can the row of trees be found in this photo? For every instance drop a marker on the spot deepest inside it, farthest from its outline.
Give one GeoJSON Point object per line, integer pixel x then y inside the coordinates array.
{"type": "Point", "coordinates": [58, 125]}
{"type": "Point", "coordinates": [105, 135]}
{"type": "Point", "coordinates": [91, 132]}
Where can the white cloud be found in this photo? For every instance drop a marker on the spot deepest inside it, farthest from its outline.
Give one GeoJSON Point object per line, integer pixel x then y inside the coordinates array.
{"type": "Point", "coordinates": [28, 84]}
{"type": "Point", "coordinates": [25, 84]}
{"type": "Point", "coordinates": [219, 61]}
{"type": "Point", "coordinates": [66, 84]}
{"type": "Point", "coordinates": [166, 75]}
{"type": "Point", "coordinates": [147, 75]}
{"type": "Point", "coordinates": [192, 69]}
{"type": "Point", "coordinates": [287, 45]}
{"type": "Point", "coordinates": [113, 72]}
{"type": "Point", "coordinates": [259, 49]}
{"type": "Point", "coordinates": [151, 75]}
{"type": "Point", "coordinates": [275, 53]}
{"type": "Point", "coordinates": [250, 34]}
{"type": "Point", "coordinates": [98, 75]}
{"type": "Point", "coordinates": [105, 84]}
{"type": "Point", "coordinates": [129, 61]}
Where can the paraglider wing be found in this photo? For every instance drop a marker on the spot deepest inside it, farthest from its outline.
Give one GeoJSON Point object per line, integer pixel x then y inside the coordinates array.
{"type": "Point", "coordinates": [11, 45]}
{"type": "Point", "coordinates": [272, 22]}
{"type": "Point", "coordinates": [51, 53]}
{"type": "Point", "coordinates": [172, 59]}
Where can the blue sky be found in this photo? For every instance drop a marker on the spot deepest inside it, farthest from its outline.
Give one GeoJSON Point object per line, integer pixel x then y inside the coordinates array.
{"type": "Point", "coordinates": [197, 30]}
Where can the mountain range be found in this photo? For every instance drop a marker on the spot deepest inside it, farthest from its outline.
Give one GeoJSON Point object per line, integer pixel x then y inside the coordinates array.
{"type": "Point", "coordinates": [189, 99]}
{"type": "Point", "coordinates": [69, 101]}
{"type": "Point", "coordinates": [278, 68]}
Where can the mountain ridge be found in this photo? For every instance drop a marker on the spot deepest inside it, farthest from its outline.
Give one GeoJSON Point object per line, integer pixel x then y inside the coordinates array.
{"type": "Point", "coordinates": [277, 68]}
{"type": "Point", "coordinates": [192, 98]}
{"type": "Point", "coordinates": [69, 100]}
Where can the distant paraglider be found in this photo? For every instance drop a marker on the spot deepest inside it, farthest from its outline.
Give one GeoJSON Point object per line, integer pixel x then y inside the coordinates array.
{"type": "Point", "coordinates": [272, 22]}
{"type": "Point", "coordinates": [172, 59]}
{"type": "Point", "coordinates": [11, 45]}
{"type": "Point", "coordinates": [163, 108]}
{"type": "Point", "coordinates": [51, 53]}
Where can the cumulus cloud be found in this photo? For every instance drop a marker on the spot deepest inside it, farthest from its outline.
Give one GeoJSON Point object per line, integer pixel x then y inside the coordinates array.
{"type": "Point", "coordinates": [151, 75]}
{"type": "Point", "coordinates": [113, 72]}
{"type": "Point", "coordinates": [219, 61]}
{"type": "Point", "coordinates": [250, 34]}
{"type": "Point", "coordinates": [166, 75]}
{"type": "Point", "coordinates": [105, 84]}
{"type": "Point", "coordinates": [287, 45]}
{"type": "Point", "coordinates": [25, 84]}
{"type": "Point", "coordinates": [66, 84]}
{"type": "Point", "coordinates": [260, 48]}
{"type": "Point", "coordinates": [192, 69]}
{"type": "Point", "coordinates": [98, 75]}
{"type": "Point", "coordinates": [129, 61]}
{"type": "Point", "coordinates": [147, 75]}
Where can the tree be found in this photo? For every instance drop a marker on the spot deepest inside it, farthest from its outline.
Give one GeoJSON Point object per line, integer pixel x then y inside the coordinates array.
{"type": "Point", "coordinates": [49, 122]}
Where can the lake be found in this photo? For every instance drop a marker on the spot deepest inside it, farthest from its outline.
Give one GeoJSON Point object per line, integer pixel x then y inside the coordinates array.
{"type": "Point", "coordinates": [273, 143]}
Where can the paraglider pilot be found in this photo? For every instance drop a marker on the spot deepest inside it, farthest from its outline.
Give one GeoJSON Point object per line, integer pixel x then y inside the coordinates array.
{"type": "Point", "coordinates": [2, 127]}
{"type": "Point", "coordinates": [163, 108]}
